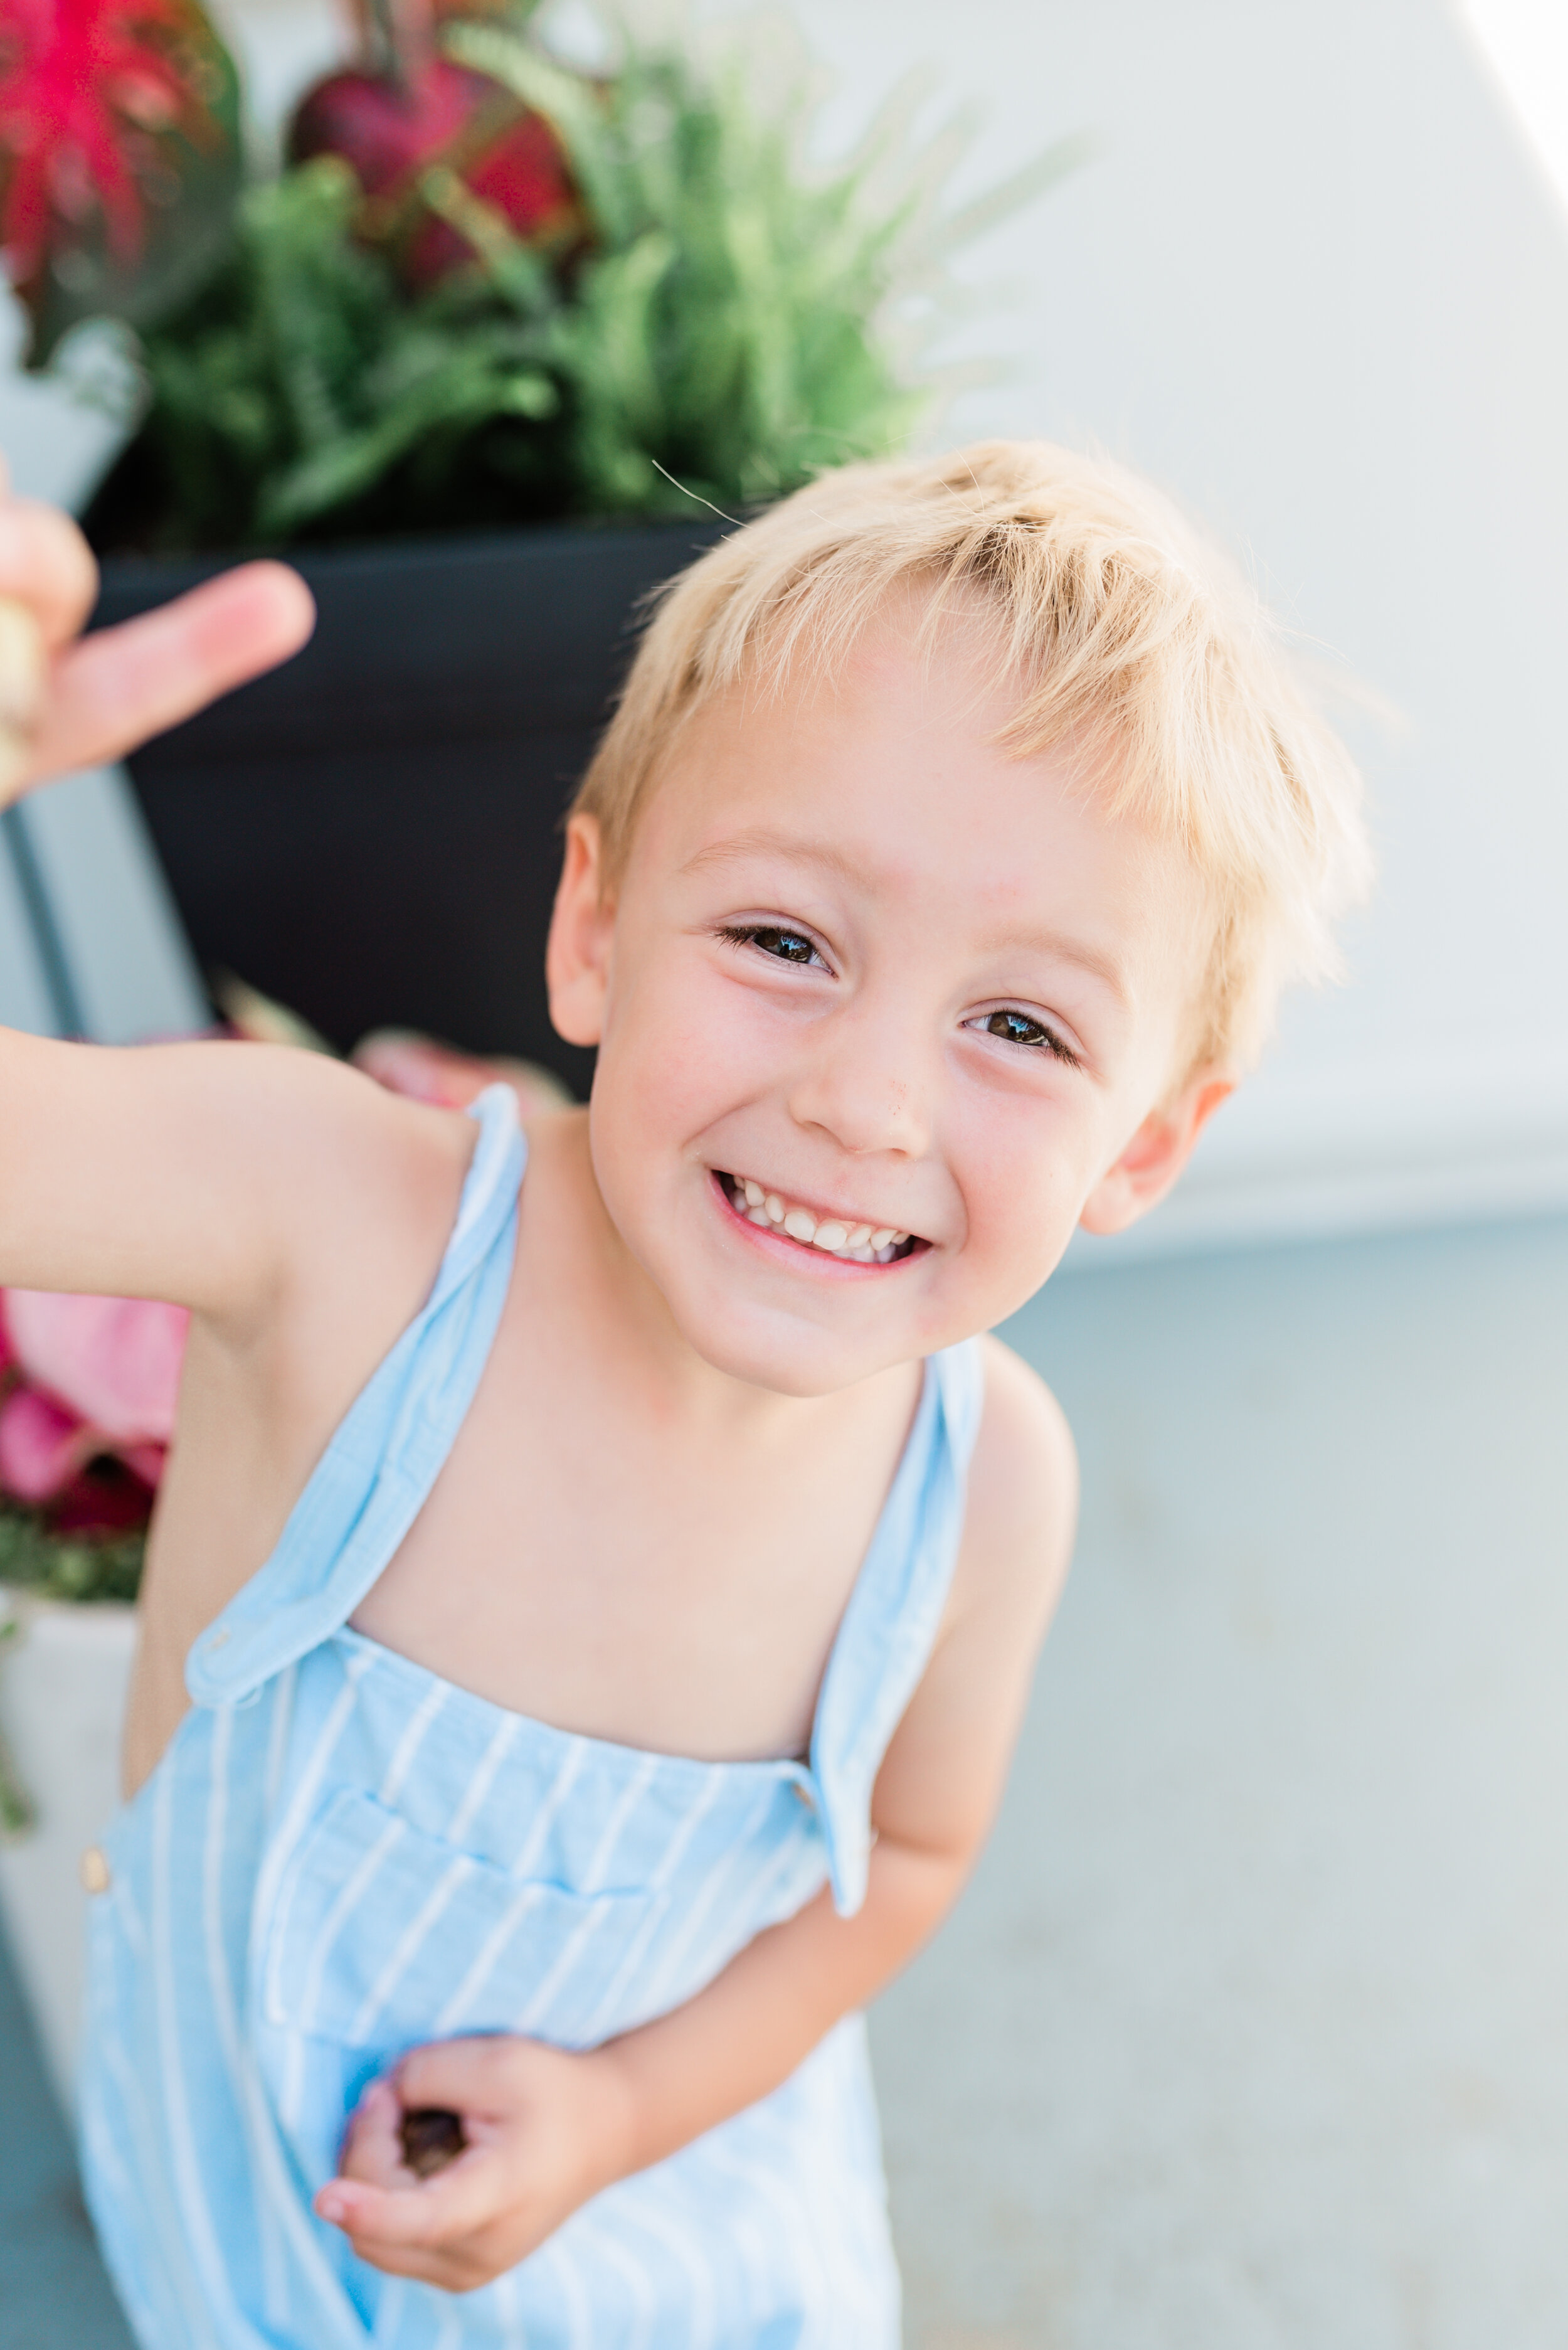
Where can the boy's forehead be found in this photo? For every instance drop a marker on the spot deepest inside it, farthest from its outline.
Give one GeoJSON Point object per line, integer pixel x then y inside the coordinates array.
{"type": "Point", "coordinates": [783, 729]}
{"type": "Point", "coordinates": [886, 779]}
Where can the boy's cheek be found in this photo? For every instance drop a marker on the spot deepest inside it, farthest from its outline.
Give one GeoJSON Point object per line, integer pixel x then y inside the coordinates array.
{"type": "Point", "coordinates": [683, 1057]}
{"type": "Point", "coordinates": [1024, 1179]}
{"type": "Point", "coordinates": [653, 1092]}
{"type": "Point", "coordinates": [1012, 1262]}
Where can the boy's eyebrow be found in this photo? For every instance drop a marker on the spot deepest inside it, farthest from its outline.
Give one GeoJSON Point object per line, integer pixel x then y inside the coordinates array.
{"type": "Point", "coordinates": [757, 840]}
{"type": "Point", "coordinates": [1107, 969]}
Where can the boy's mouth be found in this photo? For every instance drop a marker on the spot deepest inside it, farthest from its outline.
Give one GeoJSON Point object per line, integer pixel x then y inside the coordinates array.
{"type": "Point", "coordinates": [857, 1243]}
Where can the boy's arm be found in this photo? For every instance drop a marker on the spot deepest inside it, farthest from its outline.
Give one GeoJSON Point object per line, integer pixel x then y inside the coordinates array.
{"type": "Point", "coordinates": [198, 1173]}
{"type": "Point", "coordinates": [548, 2129]}
{"type": "Point", "coordinates": [161, 1172]}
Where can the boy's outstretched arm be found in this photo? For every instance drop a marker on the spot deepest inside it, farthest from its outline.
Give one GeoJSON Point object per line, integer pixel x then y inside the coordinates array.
{"type": "Point", "coordinates": [174, 1172]}
{"type": "Point", "coordinates": [548, 2129]}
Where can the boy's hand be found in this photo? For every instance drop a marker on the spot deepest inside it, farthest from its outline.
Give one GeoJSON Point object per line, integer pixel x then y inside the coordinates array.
{"type": "Point", "coordinates": [67, 702]}
{"type": "Point", "coordinates": [546, 2130]}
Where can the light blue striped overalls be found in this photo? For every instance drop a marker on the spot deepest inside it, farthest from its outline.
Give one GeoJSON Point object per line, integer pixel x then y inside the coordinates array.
{"type": "Point", "coordinates": [342, 1855]}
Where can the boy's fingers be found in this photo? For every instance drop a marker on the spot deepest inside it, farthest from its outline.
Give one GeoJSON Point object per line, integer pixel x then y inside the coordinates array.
{"type": "Point", "coordinates": [422, 2219]}
{"type": "Point", "coordinates": [429, 2268]}
{"type": "Point", "coordinates": [372, 2151]}
{"type": "Point", "coordinates": [465, 2076]}
{"type": "Point", "coordinates": [114, 689]}
{"type": "Point", "coordinates": [47, 563]}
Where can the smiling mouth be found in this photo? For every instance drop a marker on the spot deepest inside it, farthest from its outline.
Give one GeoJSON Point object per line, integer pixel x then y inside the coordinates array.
{"type": "Point", "coordinates": [854, 1243]}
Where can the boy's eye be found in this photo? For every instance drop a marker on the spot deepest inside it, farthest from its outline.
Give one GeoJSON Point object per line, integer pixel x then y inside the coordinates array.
{"type": "Point", "coordinates": [1018, 1028]}
{"type": "Point", "coordinates": [788, 946]}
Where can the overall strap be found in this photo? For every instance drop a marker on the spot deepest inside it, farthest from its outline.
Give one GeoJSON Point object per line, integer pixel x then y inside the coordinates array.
{"type": "Point", "coordinates": [388, 1451]}
{"type": "Point", "coordinates": [885, 1639]}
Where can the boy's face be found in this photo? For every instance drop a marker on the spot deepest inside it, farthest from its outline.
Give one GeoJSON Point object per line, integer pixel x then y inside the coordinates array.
{"type": "Point", "coordinates": [894, 978]}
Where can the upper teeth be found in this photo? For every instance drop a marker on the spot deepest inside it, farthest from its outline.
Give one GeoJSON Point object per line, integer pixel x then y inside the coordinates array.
{"type": "Point", "coordinates": [867, 1243]}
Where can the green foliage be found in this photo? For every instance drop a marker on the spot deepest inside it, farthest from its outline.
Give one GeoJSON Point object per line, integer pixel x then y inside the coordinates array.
{"type": "Point", "coordinates": [723, 328]}
{"type": "Point", "coordinates": [302, 392]}
{"type": "Point", "coordinates": [727, 327]}
{"type": "Point", "coordinates": [62, 1567]}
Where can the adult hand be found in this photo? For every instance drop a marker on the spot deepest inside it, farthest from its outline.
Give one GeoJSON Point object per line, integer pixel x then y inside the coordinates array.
{"type": "Point", "coordinates": [544, 2131]}
{"type": "Point", "coordinates": [69, 702]}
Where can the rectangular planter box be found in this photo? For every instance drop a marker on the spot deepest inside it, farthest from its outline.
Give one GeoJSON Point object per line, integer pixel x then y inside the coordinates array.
{"type": "Point", "coordinates": [371, 834]}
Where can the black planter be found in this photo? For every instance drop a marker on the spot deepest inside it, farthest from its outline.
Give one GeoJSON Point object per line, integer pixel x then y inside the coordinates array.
{"type": "Point", "coordinates": [371, 834]}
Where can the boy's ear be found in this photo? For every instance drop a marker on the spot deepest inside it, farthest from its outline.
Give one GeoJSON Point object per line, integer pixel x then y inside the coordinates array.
{"type": "Point", "coordinates": [1155, 1155]}
{"type": "Point", "coordinates": [578, 958]}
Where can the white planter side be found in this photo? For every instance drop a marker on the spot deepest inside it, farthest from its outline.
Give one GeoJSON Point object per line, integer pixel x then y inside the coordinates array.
{"type": "Point", "coordinates": [62, 1706]}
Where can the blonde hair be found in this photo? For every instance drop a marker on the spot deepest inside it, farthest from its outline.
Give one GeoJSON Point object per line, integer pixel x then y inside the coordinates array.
{"type": "Point", "coordinates": [1133, 642]}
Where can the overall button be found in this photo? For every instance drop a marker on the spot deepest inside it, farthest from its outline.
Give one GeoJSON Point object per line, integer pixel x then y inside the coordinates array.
{"type": "Point", "coordinates": [95, 1874]}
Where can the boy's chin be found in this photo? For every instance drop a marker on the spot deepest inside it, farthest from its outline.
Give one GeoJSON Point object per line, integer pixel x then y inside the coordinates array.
{"type": "Point", "coordinates": [801, 1362]}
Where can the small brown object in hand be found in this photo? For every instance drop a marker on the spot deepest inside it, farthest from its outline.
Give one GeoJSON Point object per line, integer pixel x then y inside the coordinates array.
{"type": "Point", "coordinates": [431, 2138]}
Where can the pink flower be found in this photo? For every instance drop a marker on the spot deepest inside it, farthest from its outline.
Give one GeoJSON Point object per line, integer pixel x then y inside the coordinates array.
{"type": "Point", "coordinates": [98, 1375]}
{"type": "Point", "coordinates": [40, 1454]}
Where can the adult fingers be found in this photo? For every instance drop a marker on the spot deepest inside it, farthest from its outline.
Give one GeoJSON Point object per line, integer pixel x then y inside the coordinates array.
{"type": "Point", "coordinates": [47, 564]}
{"type": "Point", "coordinates": [114, 689]}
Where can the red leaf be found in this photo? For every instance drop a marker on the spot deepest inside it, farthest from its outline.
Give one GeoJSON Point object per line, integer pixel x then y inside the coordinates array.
{"type": "Point", "coordinates": [78, 81]}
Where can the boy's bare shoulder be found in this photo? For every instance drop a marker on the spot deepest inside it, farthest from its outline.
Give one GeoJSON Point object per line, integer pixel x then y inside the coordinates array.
{"type": "Point", "coordinates": [332, 1175]}
{"type": "Point", "coordinates": [208, 1173]}
{"type": "Point", "coordinates": [1023, 1492]}
{"type": "Point", "coordinates": [382, 1173]}
{"type": "Point", "coordinates": [335, 1110]}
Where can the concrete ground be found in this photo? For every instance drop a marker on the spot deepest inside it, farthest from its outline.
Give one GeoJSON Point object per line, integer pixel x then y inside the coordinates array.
{"type": "Point", "coordinates": [1253, 2031]}
{"type": "Point", "coordinates": [54, 2294]}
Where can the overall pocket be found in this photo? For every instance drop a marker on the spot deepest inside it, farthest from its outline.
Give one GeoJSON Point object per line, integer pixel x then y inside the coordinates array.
{"type": "Point", "coordinates": [384, 1936]}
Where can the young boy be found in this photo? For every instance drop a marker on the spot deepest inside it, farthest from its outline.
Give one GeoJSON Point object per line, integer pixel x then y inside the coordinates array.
{"type": "Point", "coordinates": [587, 1618]}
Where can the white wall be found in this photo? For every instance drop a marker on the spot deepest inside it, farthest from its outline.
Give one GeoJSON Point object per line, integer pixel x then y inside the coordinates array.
{"type": "Point", "coordinates": [1313, 282]}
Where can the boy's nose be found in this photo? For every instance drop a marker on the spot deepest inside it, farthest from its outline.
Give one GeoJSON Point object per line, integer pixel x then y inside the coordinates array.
{"type": "Point", "coordinates": [863, 1083]}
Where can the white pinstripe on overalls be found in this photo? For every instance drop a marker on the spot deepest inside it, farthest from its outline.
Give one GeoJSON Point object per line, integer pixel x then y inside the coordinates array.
{"type": "Point", "coordinates": [342, 1855]}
